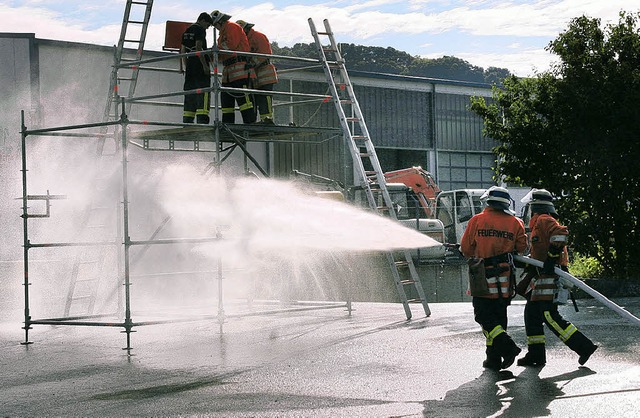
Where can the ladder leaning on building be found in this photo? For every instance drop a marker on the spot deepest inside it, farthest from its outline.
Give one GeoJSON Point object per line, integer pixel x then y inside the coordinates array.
{"type": "Point", "coordinates": [362, 150]}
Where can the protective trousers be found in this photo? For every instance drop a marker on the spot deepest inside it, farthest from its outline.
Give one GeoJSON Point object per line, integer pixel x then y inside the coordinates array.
{"type": "Point", "coordinates": [264, 104]}
{"type": "Point", "coordinates": [228, 102]}
{"type": "Point", "coordinates": [196, 105]}
{"type": "Point", "coordinates": [491, 314]}
{"type": "Point", "coordinates": [538, 313]}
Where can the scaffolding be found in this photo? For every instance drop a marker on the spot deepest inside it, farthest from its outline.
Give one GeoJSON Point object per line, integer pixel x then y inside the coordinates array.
{"type": "Point", "coordinates": [218, 138]}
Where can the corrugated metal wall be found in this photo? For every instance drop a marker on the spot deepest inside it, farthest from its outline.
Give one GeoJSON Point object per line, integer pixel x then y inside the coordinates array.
{"type": "Point", "coordinates": [457, 128]}
{"type": "Point", "coordinates": [401, 125]}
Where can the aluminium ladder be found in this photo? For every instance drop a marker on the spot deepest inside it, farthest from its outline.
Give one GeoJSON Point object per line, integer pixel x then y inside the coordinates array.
{"type": "Point", "coordinates": [90, 265]}
{"type": "Point", "coordinates": [362, 150]}
{"type": "Point", "coordinates": [132, 34]}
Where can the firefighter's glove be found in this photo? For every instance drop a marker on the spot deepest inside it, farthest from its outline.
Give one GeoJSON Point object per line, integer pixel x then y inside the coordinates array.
{"type": "Point", "coordinates": [518, 264]}
{"type": "Point", "coordinates": [552, 258]}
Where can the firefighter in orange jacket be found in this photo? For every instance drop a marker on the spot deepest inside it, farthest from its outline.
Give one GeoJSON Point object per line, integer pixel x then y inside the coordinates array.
{"type": "Point", "coordinates": [490, 238]}
{"type": "Point", "coordinates": [546, 290]}
{"type": "Point", "coordinates": [234, 73]}
{"type": "Point", "coordinates": [264, 71]}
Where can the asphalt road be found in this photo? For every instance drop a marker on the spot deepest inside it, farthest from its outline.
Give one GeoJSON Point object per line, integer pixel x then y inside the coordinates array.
{"type": "Point", "coordinates": [321, 363]}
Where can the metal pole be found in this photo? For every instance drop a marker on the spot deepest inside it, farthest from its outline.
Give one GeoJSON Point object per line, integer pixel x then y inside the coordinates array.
{"type": "Point", "coordinates": [581, 285]}
{"type": "Point", "coordinates": [128, 323]}
{"type": "Point", "coordinates": [216, 99]}
{"type": "Point", "coordinates": [220, 289]}
{"type": "Point", "coordinates": [25, 223]}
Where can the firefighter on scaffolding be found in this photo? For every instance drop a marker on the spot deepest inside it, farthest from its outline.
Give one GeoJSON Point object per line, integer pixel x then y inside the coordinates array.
{"type": "Point", "coordinates": [264, 72]}
{"type": "Point", "coordinates": [197, 74]}
{"type": "Point", "coordinates": [235, 71]}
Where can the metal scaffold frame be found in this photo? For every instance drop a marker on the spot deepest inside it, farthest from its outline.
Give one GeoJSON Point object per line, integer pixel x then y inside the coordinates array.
{"type": "Point", "coordinates": [218, 134]}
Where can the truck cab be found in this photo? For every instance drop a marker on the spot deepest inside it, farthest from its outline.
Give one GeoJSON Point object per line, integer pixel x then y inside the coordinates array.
{"type": "Point", "coordinates": [455, 208]}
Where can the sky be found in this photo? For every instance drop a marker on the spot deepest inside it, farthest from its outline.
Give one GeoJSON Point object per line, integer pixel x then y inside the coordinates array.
{"type": "Point", "coordinates": [508, 34]}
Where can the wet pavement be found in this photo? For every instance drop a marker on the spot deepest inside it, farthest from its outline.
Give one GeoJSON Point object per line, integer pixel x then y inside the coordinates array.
{"type": "Point", "coordinates": [318, 363]}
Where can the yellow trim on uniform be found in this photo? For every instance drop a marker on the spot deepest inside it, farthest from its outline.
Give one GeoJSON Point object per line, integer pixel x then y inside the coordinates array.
{"type": "Point", "coordinates": [535, 339]}
{"type": "Point", "coordinates": [490, 336]}
{"type": "Point", "coordinates": [564, 334]}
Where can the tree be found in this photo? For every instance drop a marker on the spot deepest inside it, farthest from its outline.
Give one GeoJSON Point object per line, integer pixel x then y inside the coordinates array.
{"type": "Point", "coordinates": [391, 61]}
{"type": "Point", "coordinates": [575, 130]}
{"type": "Point", "coordinates": [447, 67]}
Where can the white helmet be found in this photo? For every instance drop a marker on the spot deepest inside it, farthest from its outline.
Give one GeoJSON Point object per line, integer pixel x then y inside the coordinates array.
{"type": "Point", "coordinates": [246, 26]}
{"type": "Point", "coordinates": [219, 17]}
{"type": "Point", "coordinates": [541, 201]}
{"type": "Point", "coordinates": [499, 198]}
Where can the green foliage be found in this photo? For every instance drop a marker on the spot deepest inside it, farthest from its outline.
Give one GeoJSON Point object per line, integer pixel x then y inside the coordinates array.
{"type": "Point", "coordinates": [586, 267]}
{"type": "Point", "coordinates": [391, 61]}
{"type": "Point", "coordinates": [447, 67]}
{"type": "Point", "coordinates": [574, 130]}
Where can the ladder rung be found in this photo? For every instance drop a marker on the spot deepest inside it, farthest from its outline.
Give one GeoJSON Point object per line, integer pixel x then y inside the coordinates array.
{"type": "Point", "coordinates": [365, 154]}
{"type": "Point", "coordinates": [383, 208]}
{"type": "Point", "coordinates": [353, 119]}
{"type": "Point", "coordinates": [417, 300]}
{"type": "Point", "coordinates": [144, 3]}
{"type": "Point", "coordinates": [133, 41]}
{"type": "Point", "coordinates": [359, 137]}
{"type": "Point", "coordinates": [407, 282]}
{"type": "Point", "coordinates": [402, 263]}
{"type": "Point", "coordinates": [324, 33]}
{"type": "Point", "coordinates": [137, 22]}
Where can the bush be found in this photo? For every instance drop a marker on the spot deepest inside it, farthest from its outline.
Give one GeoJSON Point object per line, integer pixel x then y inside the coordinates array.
{"type": "Point", "coordinates": [586, 267]}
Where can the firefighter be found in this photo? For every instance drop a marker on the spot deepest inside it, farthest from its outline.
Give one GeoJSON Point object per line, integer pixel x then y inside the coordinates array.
{"type": "Point", "coordinates": [489, 241]}
{"type": "Point", "coordinates": [196, 70]}
{"type": "Point", "coordinates": [235, 70]}
{"type": "Point", "coordinates": [545, 289]}
{"type": "Point", "coordinates": [264, 71]}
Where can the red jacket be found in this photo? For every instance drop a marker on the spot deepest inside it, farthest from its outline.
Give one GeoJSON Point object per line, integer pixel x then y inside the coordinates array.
{"type": "Point", "coordinates": [543, 228]}
{"type": "Point", "coordinates": [232, 38]}
{"type": "Point", "coordinates": [489, 234]}
{"type": "Point", "coordinates": [265, 71]}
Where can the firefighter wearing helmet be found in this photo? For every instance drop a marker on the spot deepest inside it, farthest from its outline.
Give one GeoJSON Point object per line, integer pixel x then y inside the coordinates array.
{"type": "Point", "coordinates": [234, 72]}
{"type": "Point", "coordinates": [543, 289]}
{"type": "Point", "coordinates": [264, 75]}
{"type": "Point", "coordinates": [488, 242]}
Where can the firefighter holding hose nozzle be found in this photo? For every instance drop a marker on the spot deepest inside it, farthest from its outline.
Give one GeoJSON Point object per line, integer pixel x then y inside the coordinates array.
{"type": "Point", "coordinates": [543, 289]}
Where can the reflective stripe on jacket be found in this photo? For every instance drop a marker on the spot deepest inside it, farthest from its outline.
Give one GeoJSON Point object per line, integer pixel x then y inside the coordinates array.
{"type": "Point", "coordinates": [544, 230]}
{"type": "Point", "coordinates": [232, 38]}
{"type": "Point", "coordinates": [265, 71]}
{"type": "Point", "coordinates": [490, 234]}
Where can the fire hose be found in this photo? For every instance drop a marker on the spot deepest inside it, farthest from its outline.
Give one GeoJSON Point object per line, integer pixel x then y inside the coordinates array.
{"type": "Point", "coordinates": [583, 286]}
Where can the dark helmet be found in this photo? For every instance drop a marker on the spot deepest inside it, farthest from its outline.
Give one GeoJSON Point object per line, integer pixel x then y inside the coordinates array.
{"type": "Point", "coordinates": [498, 198]}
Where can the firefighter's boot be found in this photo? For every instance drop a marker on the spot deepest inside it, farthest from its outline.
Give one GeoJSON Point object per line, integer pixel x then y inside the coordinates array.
{"type": "Point", "coordinates": [507, 348]}
{"type": "Point", "coordinates": [582, 345]}
{"type": "Point", "coordinates": [536, 356]}
{"type": "Point", "coordinates": [493, 361]}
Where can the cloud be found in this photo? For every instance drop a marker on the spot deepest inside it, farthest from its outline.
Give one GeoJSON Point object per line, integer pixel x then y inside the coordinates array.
{"type": "Point", "coordinates": [405, 25]}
